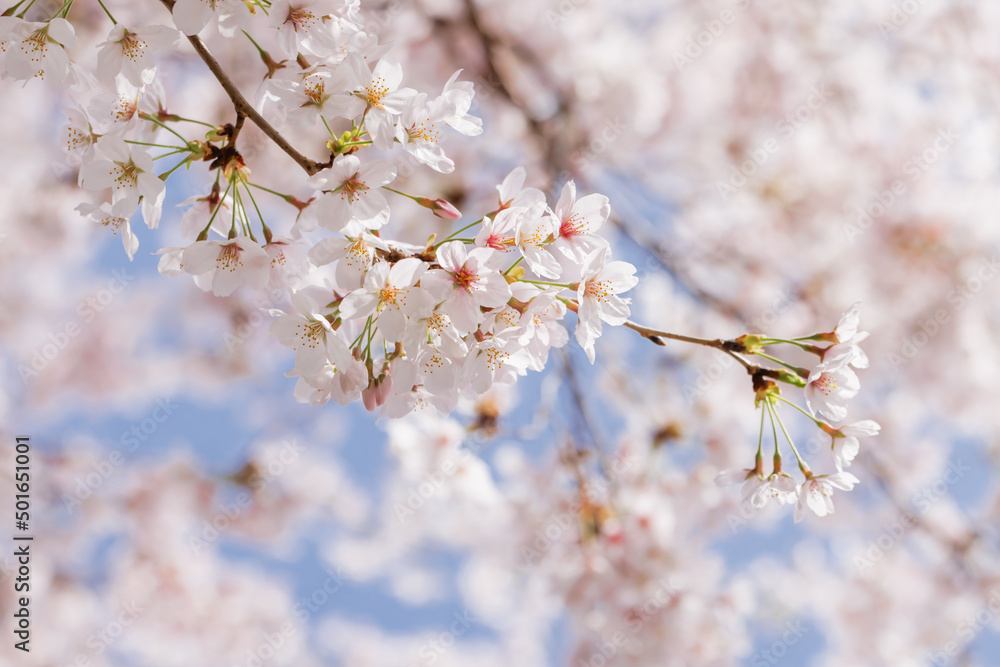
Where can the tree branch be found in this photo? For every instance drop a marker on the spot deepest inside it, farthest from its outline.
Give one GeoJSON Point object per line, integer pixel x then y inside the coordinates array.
{"type": "Point", "coordinates": [244, 108]}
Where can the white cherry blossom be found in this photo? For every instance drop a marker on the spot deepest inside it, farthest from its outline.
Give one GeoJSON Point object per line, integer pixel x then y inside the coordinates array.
{"type": "Point", "coordinates": [191, 16]}
{"type": "Point", "coordinates": [418, 131]}
{"type": "Point", "coordinates": [459, 96]}
{"type": "Point", "coordinates": [535, 231]}
{"type": "Point", "coordinates": [301, 26]}
{"type": "Point", "coordinates": [384, 99]}
{"type": "Point", "coordinates": [127, 52]}
{"type": "Point", "coordinates": [779, 487]}
{"type": "Point", "coordinates": [845, 440]}
{"type": "Point", "coordinates": [116, 218]}
{"type": "Point", "coordinates": [229, 264]}
{"type": "Point", "coordinates": [351, 192]}
{"type": "Point", "coordinates": [390, 293]}
{"type": "Point", "coordinates": [37, 50]}
{"type": "Point", "coordinates": [513, 193]}
{"type": "Point", "coordinates": [598, 298]}
{"type": "Point", "coordinates": [78, 136]}
{"type": "Point", "coordinates": [829, 387]}
{"type": "Point", "coordinates": [128, 171]}
{"type": "Point", "coordinates": [309, 333]}
{"type": "Point", "coordinates": [816, 493]}
{"type": "Point", "coordinates": [354, 256]}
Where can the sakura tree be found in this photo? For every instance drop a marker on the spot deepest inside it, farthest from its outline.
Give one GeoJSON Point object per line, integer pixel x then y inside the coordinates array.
{"type": "Point", "coordinates": [566, 264]}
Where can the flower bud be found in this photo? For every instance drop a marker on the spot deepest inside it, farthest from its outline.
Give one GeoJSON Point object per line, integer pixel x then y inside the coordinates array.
{"type": "Point", "coordinates": [440, 207]}
{"type": "Point", "coordinates": [750, 343]}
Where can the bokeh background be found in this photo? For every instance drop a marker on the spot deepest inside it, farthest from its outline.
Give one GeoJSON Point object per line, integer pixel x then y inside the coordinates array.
{"type": "Point", "coordinates": [768, 163]}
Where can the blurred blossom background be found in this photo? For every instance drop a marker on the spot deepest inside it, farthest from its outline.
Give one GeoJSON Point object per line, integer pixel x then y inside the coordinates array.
{"type": "Point", "coordinates": [768, 164]}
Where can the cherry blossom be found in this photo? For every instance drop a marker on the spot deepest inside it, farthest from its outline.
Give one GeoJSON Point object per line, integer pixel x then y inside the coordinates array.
{"type": "Point", "coordinates": [578, 222]}
{"type": "Point", "coordinates": [38, 50]}
{"type": "Point", "coordinates": [500, 231]}
{"type": "Point", "coordinates": [467, 281]}
{"type": "Point", "coordinates": [494, 360]}
{"type": "Point", "coordinates": [127, 52]}
{"type": "Point", "coordinates": [829, 387]}
{"type": "Point", "coordinates": [597, 294]}
{"type": "Point", "coordinates": [353, 255]}
{"type": "Point", "coordinates": [779, 487]}
{"type": "Point", "coordinates": [310, 334]}
{"type": "Point", "coordinates": [581, 501]}
{"type": "Point", "coordinates": [459, 95]}
{"type": "Point", "coordinates": [513, 193]}
{"type": "Point", "coordinates": [816, 493]}
{"type": "Point", "coordinates": [191, 16]}
{"type": "Point", "coordinates": [79, 136]}
{"type": "Point", "coordinates": [385, 100]}
{"type": "Point", "coordinates": [128, 171]}
{"type": "Point", "coordinates": [535, 231]}
{"type": "Point", "coordinates": [351, 193]}
{"type": "Point", "coordinates": [845, 440]}
{"type": "Point", "coordinates": [288, 262]}
{"type": "Point", "coordinates": [417, 131]}
{"type": "Point", "coordinates": [301, 26]}
{"type": "Point", "coordinates": [389, 293]}
{"type": "Point", "coordinates": [115, 218]}
{"type": "Point", "coordinates": [229, 264]}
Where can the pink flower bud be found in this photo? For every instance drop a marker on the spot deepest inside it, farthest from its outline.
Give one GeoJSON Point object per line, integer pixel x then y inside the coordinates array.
{"type": "Point", "coordinates": [376, 393]}
{"type": "Point", "coordinates": [440, 207]}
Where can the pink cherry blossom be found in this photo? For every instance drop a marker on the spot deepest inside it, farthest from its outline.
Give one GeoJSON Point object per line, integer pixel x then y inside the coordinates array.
{"type": "Point", "coordinates": [466, 282]}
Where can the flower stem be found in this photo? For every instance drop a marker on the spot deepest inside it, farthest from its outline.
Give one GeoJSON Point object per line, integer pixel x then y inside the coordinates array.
{"type": "Point", "coordinates": [25, 10]}
{"type": "Point", "coordinates": [192, 120]}
{"type": "Point", "coordinates": [153, 119]}
{"type": "Point", "coordinates": [519, 259]}
{"type": "Point", "coordinates": [402, 194]}
{"type": "Point", "coordinates": [10, 10]}
{"type": "Point", "coordinates": [802, 464]}
{"type": "Point", "coordinates": [453, 235]}
{"type": "Point", "coordinates": [169, 153]}
{"type": "Point", "coordinates": [254, 202]}
{"type": "Point", "coordinates": [218, 207]}
{"type": "Point", "coordinates": [107, 12]}
{"type": "Point", "coordinates": [760, 438]}
{"type": "Point", "coordinates": [775, 341]}
{"type": "Point", "coordinates": [798, 370]}
{"type": "Point", "coordinates": [254, 42]}
{"type": "Point", "coordinates": [543, 282]}
{"type": "Point", "coordinates": [273, 192]}
{"type": "Point", "coordinates": [334, 136]}
{"type": "Point", "coordinates": [143, 143]}
{"type": "Point", "coordinates": [165, 175]}
{"type": "Point", "coordinates": [774, 430]}
{"type": "Point", "coordinates": [785, 400]}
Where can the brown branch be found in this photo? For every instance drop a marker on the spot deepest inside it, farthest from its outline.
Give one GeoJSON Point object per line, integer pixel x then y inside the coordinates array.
{"type": "Point", "coordinates": [730, 347]}
{"type": "Point", "coordinates": [244, 108]}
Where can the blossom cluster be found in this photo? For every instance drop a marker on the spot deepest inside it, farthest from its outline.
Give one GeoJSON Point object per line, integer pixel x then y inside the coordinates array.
{"type": "Point", "coordinates": [400, 325]}
{"type": "Point", "coordinates": [827, 388]}
{"type": "Point", "coordinates": [394, 324]}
